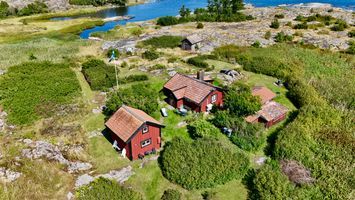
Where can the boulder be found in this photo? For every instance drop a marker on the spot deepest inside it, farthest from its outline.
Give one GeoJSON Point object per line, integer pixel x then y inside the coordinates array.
{"type": "Point", "coordinates": [7, 175]}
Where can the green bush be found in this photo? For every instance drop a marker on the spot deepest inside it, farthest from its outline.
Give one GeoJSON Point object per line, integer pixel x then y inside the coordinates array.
{"type": "Point", "coordinates": [351, 48]}
{"type": "Point", "coordinates": [167, 21]}
{"type": "Point", "coordinates": [164, 41]}
{"type": "Point", "coordinates": [340, 25]}
{"type": "Point", "coordinates": [279, 16]}
{"type": "Point", "coordinates": [275, 24]}
{"type": "Point", "coordinates": [171, 194]}
{"type": "Point", "coordinates": [133, 78]}
{"type": "Point", "coordinates": [140, 96]}
{"type": "Point", "coordinates": [105, 189]}
{"type": "Point", "coordinates": [113, 51]}
{"type": "Point", "coordinates": [267, 35]}
{"type": "Point", "coordinates": [198, 62]}
{"type": "Point", "coordinates": [303, 25]}
{"type": "Point", "coordinates": [201, 128]}
{"type": "Point", "coordinates": [282, 37]}
{"type": "Point", "coordinates": [256, 44]}
{"type": "Point", "coordinates": [4, 9]}
{"type": "Point", "coordinates": [199, 25]}
{"type": "Point", "coordinates": [34, 8]}
{"type": "Point", "coordinates": [351, 33]}
{"type": "Point", "coordinates": [36, 89]}
{"type": "Point", "coordinates": [202, 163]}
{"type": "Point", "coordinates": [98, 74]}
{"type": "Point", "coordinates": [150, 55]}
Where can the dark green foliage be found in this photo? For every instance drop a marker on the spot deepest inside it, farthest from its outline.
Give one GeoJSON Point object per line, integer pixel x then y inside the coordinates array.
{"type": "Point", "coordinates": [279, 16]}
{"type": "Point", "coordinates": [157, 67]}
{"type": "Point", "coordinates": [4, 9]}
{"type": "Point", "coordinates": [36, 7]}
{"type": "Point", "coordinates": [245, 135]}
{"type": "Point", "coordinates": [198, 62]}
{"type": "Point", "coordinates": [150, 55]}
{"type": "Point", "coordinates": [99, 75]}
{"type": "Point", "coordinates": [256, 44]}
{"type": "Point", "coordinates": [225, 6]}
{"type": "Point", "coordinates": [140, 96]}
{"type": "Point", "coordinates": [317, 17]}
{"type": "Point", "coordinates": [184, 12]}
{"type": "Point", "coordinates": [113, 50]}
{"type": "Point", "coordinates": [240, 102]}
{"type": "Point", "coordinates": [199, 25]}
{"type": "Point", "coordinates": [275, 24]}
{"type": "Point", "coordinates": [133, 78]}
{"type": "Point", "coordinates": [340, 25]}
{"type": "Point", "coordinates": [105, 189]}
{"type": "Point", "coordinates": [32, 57]}
{"type": "Point", "coordinates": [303, 25]}
{"type": "Point", "coordinates": [351, 49]}
{"type": "Point", "coordinates": [267, 35]}
{"type": "Point", "coordinates": [208, 195]}
{"type": "Point", "coordinates": [97, 2]}
{"type": "Point", "coordinates": [282, 37]}
{"type": "Point", "coordinates": [164, 41]}
{"type": "Point", "coordinates": [201, 164]}
{"type": "Point", "coordinates": [171, 194]}
{"type": "Point", "coordinates": [351, 33]}
{"type": "Point", "coordinates": [167, 21]}
{"type": "Point", "coordinates": [202, 128]}
{"type": "Point", "coordinates": [35, 89]}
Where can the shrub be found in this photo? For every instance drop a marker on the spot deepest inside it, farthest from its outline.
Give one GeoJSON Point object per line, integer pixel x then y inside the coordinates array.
{"type": "Point", "coordinates": [198, 62]}
{"type": "Point", "coordinates": [167, 21]}
{"type": "Point", "coordinates": [351, 33]}
{"type": "Point", "coordinates": [133, 78]}
{"type": "Point", "coordinates": [157, 67]}
{"type": "Point", "coordinates": [165, 41]}
{"type": "Point", "coordinates": [256, 44]}
{"type": "Point", "coordinates": [106, 189]}
{"type": "Point", "coordinates": [36, 7]}
{"type": "Point", "coordinates": [279, 16]}
{"type": "Point", "coordinates": [282, 37]}
{"type": "Point", "coordinates": [113, 51]}
{"type": "Point", "coordinates": [201, 164]}
{"type": "Point", "coordinates": [171, 194]}
{"type": "Point", "coordinates": [202, 128]}
{"type": "Point", "coordinates": [240, 102]}
{"type": "Point", "coordinates": [150, 55]}
{"type": "Point", "coordinates": [303, 25]}
{"type": "Point", "coordinates": [200, 25]}
{"type": "Point", "coordinates": [4, 9]}
{"type": "Point", "coordinates": [351, 49]}
{"type": "Point", "coordinates": [98, 74]}
{"type": "Point", "coordinates": [267, 35]}
{"type": "Point", "coordinates": [33, 90]}
{"type": "Point", "coordinates": [140, 96]}
{"type": "Point", "coordinates": [275, 24]}
{"type": "Point", "coordinates": [340, 25]}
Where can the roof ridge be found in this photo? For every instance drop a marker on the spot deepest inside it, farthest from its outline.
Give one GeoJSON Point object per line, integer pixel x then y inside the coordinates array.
{"type": "Point", "coordinates": [198, 80]}
{"type": "Point", "coordinates": [132, 113]}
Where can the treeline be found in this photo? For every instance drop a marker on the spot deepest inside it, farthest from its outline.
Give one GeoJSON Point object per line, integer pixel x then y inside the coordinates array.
{"type": "Point", "coordinates": [97, 2]}
{"type": "Point", "coordinates": [216, 11]}
{"type": "Point", "coordinates": [36, 7]}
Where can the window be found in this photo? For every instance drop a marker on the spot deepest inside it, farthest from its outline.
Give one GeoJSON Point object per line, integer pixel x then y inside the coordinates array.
{"type": "Point", "coordinates": [146, 143]}
{"type": "Point", "coordinates": [214, 98]}
{"type": "Point", "coordinates": [145, 129]}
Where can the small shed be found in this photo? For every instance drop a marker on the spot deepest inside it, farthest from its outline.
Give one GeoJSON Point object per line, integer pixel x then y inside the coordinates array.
{"type": "Point", "coordinates": [191, 43]}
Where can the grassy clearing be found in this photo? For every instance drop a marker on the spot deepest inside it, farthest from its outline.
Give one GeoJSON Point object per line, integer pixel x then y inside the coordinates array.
{"type": "Point", "coordinates": [172, 129]}
{"type": "Point", "coordinates": [120, 32]}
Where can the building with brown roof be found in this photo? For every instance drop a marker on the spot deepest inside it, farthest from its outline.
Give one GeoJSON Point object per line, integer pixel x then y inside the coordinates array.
{"type": "Point", "coordinates": [265, 94]}
{"type": "Point", "coordinates": [192, 93]}
{"type": "Point", "coordinates": [135, 132]}
{"type": "Point", "coordinates": [271, 112]}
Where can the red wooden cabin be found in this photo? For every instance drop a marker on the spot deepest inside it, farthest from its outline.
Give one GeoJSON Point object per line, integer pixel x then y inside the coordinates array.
{"type": "Point", "coordinates": [192, 93]}
{"type": "Point", "coordinates": [135, 131]}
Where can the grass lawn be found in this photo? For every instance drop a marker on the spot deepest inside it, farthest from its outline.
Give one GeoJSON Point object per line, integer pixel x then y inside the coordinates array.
{"type": "Point", "coordinates": [219, 65]}
{"type": "Point", "coordinates": [171, 129]}
{"type": "Point", "coordinates": [103, 157]}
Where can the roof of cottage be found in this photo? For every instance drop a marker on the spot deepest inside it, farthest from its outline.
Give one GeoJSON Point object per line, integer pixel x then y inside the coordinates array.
{"type": "Point", "coordinates": [193, 39]}
{"type": "Point", "coordinates": [264, 93]}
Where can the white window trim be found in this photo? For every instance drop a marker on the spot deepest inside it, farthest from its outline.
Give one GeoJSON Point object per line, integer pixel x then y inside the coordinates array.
{"type": "Point", "coordinates": [214, 98]}
{"type": "Point", "coordinates": [146, 142]}
{"type": "Point", "coordinates": [145, 129]}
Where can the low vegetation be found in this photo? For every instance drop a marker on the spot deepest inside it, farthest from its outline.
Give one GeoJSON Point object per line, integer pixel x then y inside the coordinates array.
{"type": "Point", "coordinates": [98, 74]}
{"type": "Point", "coordinates": [165, 41]}
{"type": "Point", "coordinates": [36, 7]}
{"type": "Point", "coordinates": [171, 194]}
{"type": "Point", "coordinates": [140, 96]}
{"type": "Point", "coordinates": [150, 55]}
{"type": "Point", "coordinates": [106, 189]}
{"type": "Point", "coordinates": [97, 2]}
{"type": "Point", "coordinates": [201, 128]}
{"type": "Point", "coordinates": [36, 89]}
{"type": "Point", "coordinates": [201, 164]}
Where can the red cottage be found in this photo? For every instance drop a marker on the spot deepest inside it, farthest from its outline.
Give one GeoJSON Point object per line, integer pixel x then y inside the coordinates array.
{"type": "Point", "coordinates": [134, 132]}
{"type": "Point", "coordinates": [192, 93]}
{"type": "Point", "coordinates": [271, 112]}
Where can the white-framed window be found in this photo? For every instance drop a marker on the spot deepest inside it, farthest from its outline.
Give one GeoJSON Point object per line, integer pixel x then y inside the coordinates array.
{"type": "Point", "coordinates": [145, 129]}
{"type": "Point", "coordinates": [214, 98]}
{"type": "Point", "coordinates": [146, 143]}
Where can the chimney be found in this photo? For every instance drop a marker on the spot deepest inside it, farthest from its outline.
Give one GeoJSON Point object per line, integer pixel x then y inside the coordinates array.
{"type": "Point", "coordinates": [201, 75]}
